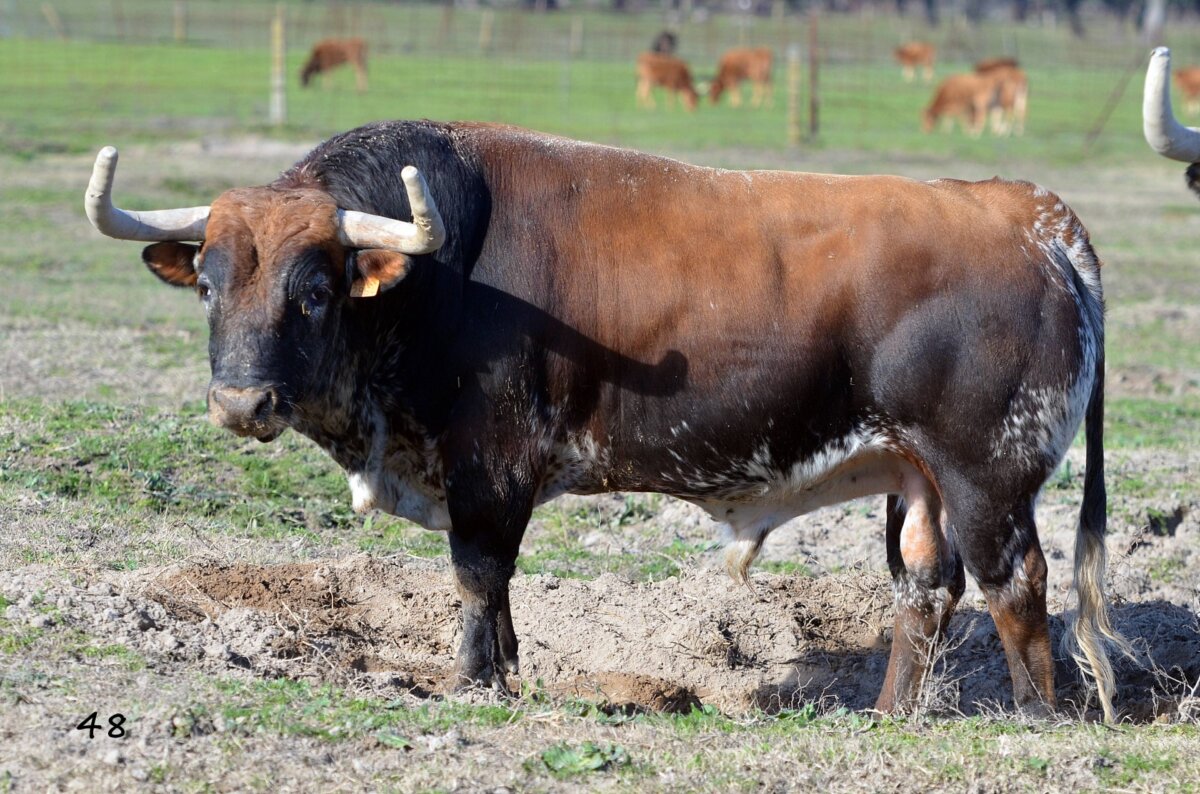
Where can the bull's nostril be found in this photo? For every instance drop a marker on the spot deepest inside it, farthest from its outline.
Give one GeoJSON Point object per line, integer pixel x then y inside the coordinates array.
{"type": "Point", "coordinates": [241, 407]}
{"type": "Point", "coordinates": [220, 398]}
{"type": "Point", "coordinates": [265, 407]}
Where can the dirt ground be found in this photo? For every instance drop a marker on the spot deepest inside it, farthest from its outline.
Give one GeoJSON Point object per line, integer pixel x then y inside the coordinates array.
{"type": "Point", "coordinates": [388, 626]}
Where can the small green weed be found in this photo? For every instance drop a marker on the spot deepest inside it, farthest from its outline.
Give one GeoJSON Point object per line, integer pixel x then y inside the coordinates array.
{"type": "Point", "coordinates": [567, 760]}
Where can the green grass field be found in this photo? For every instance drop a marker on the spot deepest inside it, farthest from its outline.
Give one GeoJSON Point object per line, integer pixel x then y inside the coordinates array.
{"type": "Point", "coordinates": [66, 96]}
{"type": "Point", "coordinates": [108, 467]}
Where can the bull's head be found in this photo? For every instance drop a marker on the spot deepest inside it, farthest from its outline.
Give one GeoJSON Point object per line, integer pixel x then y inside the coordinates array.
{"type": "Point", "coordinates": [1164, 134]}
{"type": "Point", "coordinates": [274, 269]}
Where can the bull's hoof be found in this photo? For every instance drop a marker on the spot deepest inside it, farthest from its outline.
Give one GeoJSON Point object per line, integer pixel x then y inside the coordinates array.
{"type": "Point", "coordinates": [489, 678]}
{"type": "Point", "coordinates": [1037, 710]}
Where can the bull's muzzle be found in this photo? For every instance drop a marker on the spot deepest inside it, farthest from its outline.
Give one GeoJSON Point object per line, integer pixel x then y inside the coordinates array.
{"type": "Point", "coordinates": [246, 411]}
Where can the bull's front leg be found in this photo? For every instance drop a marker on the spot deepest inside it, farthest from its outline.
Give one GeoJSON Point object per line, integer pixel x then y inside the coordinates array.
{"type": "Point", "coordinates": [483, 566]}
{"type": "Point", "coordinates": [490, 494]}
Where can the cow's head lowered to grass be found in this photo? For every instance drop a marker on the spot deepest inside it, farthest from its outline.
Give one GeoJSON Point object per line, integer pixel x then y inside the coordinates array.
{"type": "Point", "coordinates": [273, 268]}
{"type": "Point", "coordinates": [1164, 134]}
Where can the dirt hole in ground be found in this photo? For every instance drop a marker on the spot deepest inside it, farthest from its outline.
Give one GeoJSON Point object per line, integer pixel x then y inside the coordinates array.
{"type": "Point", "coordinates": [662, 646]}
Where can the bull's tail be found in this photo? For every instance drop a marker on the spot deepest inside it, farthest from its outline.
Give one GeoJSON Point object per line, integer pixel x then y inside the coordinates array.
{"type": "Point", "coordinates": [1090, 630]}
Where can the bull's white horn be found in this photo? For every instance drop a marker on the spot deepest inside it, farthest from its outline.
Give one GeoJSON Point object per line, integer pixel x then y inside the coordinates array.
{"type": "Point", "coordinates": [157, 225]}
{"type": "Point", "coordinates": [1164, 134]}
{"type": "Point", "coordinates": [424, 235]}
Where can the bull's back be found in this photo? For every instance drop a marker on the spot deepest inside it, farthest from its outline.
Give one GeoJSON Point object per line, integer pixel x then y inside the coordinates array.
{"type": "Point", "coordinates": [747, 275]}
{"type": "Point", "coordinates": [675, 246]}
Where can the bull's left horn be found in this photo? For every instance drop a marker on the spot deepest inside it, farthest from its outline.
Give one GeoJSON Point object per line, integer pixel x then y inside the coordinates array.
{"type": "Point", "coordinates": [424, 235]}
{"type": "Point", "coordinates": [1164, 134]}
{"type": "Point", "coordinates": [156, 225]}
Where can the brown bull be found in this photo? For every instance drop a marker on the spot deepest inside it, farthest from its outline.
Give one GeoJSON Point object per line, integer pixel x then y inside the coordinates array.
{"type": "Point", "coordinates": [561, 317]}
{"type": "Point", "coordinates": [738, 65]}
{"type": "Point", "coordinates": [330, 53]}
{"type": "Point", "coordinates": [668, 72]}
{"type": "Point", "coordinates": [1164, 134]}
{"type": "Point", "coordinates": [916, 54]}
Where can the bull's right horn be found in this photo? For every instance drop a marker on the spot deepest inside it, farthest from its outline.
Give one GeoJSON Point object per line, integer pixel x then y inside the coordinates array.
{"type": "Point", "coordinates": [1164, 134]}
{"type": "Point", "coordinates": [156, 225]}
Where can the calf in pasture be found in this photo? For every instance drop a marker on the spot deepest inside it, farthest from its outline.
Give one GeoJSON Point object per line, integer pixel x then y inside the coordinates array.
{"type": "Point", "coordinates": [916, 54]}
{"type": "Point", "coordinates": [1010, 103]}
{"type": "Point", "coordinates": [1000, 93]}
{"type": "Point", "coordinates": [1164, 134]}
{"type": "Point", "coordinates": [562, 317]}
{"type": "Point", "coordinates": [744, 63]}
{"type": "Point", "coordinates": [966, 97]}
{"type": "Point", "coordinates": [329, 53]}
{"type": "Point", "coordinates": [989, 64]}
{"type": "Point", "coordinates": [669, 72]}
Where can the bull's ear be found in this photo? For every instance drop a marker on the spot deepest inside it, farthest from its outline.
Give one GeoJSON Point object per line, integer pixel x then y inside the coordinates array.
{"type": "Point", "coordinates": [172, 262]}
{"type": "Point", "coordinates": [376, 270]}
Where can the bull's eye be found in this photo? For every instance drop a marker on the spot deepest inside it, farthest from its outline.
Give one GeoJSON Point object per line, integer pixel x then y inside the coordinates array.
{"type": "Point", "coordinates": [203, 289]}
{"type": "Point", "coordinates": [315, 299]}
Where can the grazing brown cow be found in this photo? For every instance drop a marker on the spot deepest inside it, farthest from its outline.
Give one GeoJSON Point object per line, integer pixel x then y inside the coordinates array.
{"type": "Point", "coordinates": [329, 53]}
{"type": "Point", "coordinates": [1164, 134]}
{"type": "Point", "coordinates": [1188, 82]}
{"type": "Point", "coordinates": [744, 63]}
{"type": "Point", "coordinates": [575, 318]}
{"type": "Point", "coordinates": [914, 54]}
{"type": "Point", "coordinates": [669, 72]}
{"type": "Point", "coordinates": [965, 97]}
{"type": "Point", "coordinates": [1002, 62]}
{"type": "Point", "coordinates": [1009, 103]}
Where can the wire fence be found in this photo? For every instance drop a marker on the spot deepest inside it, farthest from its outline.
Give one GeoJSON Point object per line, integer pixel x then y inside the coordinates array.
{"type": "Point", "coordinates": [569, 70]}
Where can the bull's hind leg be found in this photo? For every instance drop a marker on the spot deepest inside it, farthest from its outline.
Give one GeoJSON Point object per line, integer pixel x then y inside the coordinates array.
{"type": "Point", "coordinates": [1001, 550]}
{"type": "Point", "coordinates": [928, 580]}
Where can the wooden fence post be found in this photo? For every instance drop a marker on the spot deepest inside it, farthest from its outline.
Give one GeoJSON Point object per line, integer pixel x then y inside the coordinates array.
{"type": "Point", "coordinates": [278, 104]}
{"type": "Point", "coordinates": [180, 21]}
{"type": "Point", "coordinates": [118, 12]}
{"type": "Point", "coordinates": [54, 20]}
{"type": "Point", "coordinates": [793, 95]}
{"type": "Point", "coordinates": [487, 21]}
{"type": "Point", "coordinates": [576, 47]}
{"type": "Point", "coordinates": [814, 59]}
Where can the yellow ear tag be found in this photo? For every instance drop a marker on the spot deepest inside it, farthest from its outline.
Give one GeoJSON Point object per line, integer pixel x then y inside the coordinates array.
{"type": "Point", "coordinates": [365, 287]}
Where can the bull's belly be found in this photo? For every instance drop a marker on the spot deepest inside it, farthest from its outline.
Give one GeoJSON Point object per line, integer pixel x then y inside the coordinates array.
{"type": "Point", "coordinates": [757, 508]}
{"type": "Point", "coordinates": [751, 495]}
